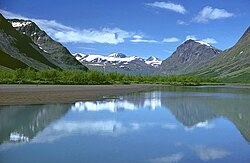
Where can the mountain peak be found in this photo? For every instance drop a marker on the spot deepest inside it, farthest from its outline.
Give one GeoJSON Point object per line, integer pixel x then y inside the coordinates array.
{"type": "Point", "coordinates": [196, 41]}
{"type": "Point", "coordinates": [117, 55]}
{"type": "Point", "coordinates": [153, 61]}
{"type": "Point", "coordinates": [152, 58]}
{"type": "Point", "coordinates": [189, 57]}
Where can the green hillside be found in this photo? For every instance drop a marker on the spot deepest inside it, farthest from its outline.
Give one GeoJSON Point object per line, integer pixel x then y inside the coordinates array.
{"type": "Point", "coordinates": [232, 65]}
{"type": "Point", "coordinates": [20, 47]}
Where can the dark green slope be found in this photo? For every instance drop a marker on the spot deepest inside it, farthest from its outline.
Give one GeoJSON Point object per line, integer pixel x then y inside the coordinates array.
{"type": "Point", "coordinates": [10, 62]}
{"type": "Point", "coordinates": [20, 47]}
{"type": "Point", "coordinates": [232, 65]}
{"type": "Point", "coordinates": [56, 51]}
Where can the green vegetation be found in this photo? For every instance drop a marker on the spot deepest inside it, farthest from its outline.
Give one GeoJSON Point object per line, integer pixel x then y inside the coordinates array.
{"type": "Point", "coordinates": [238, 78]}
{"type": "Point", "coordinates": [10, 62]}
{"type": "Point", "coordinates": [47, 76]}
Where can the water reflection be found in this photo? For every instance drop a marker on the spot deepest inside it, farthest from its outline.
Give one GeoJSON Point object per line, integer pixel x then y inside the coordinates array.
{"type": "Point", "coordinates": [22, 123]}
{"type": "Point", "coordinates": [191, 123]}
{"type": "Point", "coordinates": [193, 110]}
{"type": "Point", "coordinates": [17, 137]}
{"type": "Point", "coordinates": [208, 154]}
{"type": "Point", "coordinates": [151, 101]}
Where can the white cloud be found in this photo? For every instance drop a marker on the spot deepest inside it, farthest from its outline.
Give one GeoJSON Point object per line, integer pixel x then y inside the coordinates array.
{"type": "Point", "coordinates": [206, 154]}
{"type": "Point", "coordinates": [66, 34]}
{"type": "Point", "coordinates": [206, 40]}
{"type": "Point", "coordinates": [138, 39]}
{"type": "Point", "coordinates": [87, 48]}
{"type": "Point", "coordinates": [168, 159]}
{"type": "Point", "coordinates": [105, 35]}
{"type": "Point", "coordinates": [145, 41]}
{"type": "Point", "coordinates": [169, 126]}
{"type": "Point", "coordinates": [169, 6]}
{"type": "Point", "coordinates": [171, 39]}
{"type": "Point", "coordinates": [209, 13]}
{"type": "Point", "coordinates": [191, 37]}
{"type": "Point", "coordinates": [181, 22]}
{"type": "Point", "coordinates": [209, 40]}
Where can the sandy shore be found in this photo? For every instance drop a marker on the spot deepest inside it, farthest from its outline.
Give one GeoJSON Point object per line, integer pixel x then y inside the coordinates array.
{"type": "Point", "coordinates": [46, 94]}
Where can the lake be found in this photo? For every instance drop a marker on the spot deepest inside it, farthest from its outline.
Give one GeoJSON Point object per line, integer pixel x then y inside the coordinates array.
{"type": "Point", "coordinates": [168, 124]}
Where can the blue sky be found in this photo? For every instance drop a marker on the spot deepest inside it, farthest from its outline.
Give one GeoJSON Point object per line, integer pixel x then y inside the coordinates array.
{"type": "Point", "coordinates": [134, 27]}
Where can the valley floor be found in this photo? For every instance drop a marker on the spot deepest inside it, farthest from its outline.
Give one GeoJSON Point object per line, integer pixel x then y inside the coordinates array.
{"type": "Point", "coordinates": [14, 94]}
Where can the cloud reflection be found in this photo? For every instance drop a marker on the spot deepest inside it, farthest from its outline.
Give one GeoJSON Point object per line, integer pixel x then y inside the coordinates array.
{"type": "Point", "coordinates": [168, 159]}
{"type": "Point", "coordinates": [115, 105]}
{"type": "Point", "coordinates": [205, 125]}
{"type": "Point", "coordinates": [69, 128]}
{"type": "Point", "coordinates": [207, 154]}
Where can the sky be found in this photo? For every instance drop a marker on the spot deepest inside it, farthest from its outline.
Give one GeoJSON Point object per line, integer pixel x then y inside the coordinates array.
{"type": "Point", "coordinates": [134, 27]}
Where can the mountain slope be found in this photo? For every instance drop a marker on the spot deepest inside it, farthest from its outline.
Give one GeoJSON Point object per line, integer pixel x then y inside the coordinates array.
{"type": "Point", "coordinates": [118, 62]}
{"type": "Point", "coordinates": [10, 62]}
{"type": "Point", "coordinates": [232, 65]}
{"type": "Point", "coordinates": [189, 57]}
{"type": "Point", "coordinates": [18, 50]}
{"type": "Point", "coordinates": [57, 52]}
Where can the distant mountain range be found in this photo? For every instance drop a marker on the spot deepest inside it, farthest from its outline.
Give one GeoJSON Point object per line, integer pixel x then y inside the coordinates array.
{"type": "Point", "coordinates": [120, 63]}
{"type": "Point", "coordinates": [189, 57]}
{"type": "Point", "coordinates": [23, 44]}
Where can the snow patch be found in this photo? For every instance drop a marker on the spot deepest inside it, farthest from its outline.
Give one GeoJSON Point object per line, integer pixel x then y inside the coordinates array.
{"type": "Point", "coordinates": [43, 49]}
{"type": "Point", "coordinates": [33, 34]}
{"type": "Point", "coordinates": [116, 58]}
{"type": "Point", "coordinates": [16, 137]}
{"type": "Point", "coordinates": [99, 58]}
{"type": "Point", "coordinates": [153, 61]}
{"type": "Point", "coordinates": [117, 55]}
{"type": "Point", "coordinates": [203, 43]}
{"type": "Point", "coordinates": [20, 24]}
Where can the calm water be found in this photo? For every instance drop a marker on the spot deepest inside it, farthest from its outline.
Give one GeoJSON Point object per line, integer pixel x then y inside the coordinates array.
{"type": "Point", "coordinates": [173, 124]}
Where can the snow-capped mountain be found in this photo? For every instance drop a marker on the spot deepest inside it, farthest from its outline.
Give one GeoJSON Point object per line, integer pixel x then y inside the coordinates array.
{"type": "Point", "coordinates": [52, 50]}
{"type": "Point", "coordinates": [153, 61]}
{"type": "Point", "coordinates": [119, 62]}
{"type": "Point", "coordinates": [117, 55]}
{"type": "Point", "coordinates": [113, 58]}
{"type": "Point", "coordinates": [189, 57]}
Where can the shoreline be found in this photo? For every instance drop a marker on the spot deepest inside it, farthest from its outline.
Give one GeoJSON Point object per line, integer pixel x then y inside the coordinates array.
{"type": "Point", "coordinates": [15, 94]}
{"type": "Point", "coordinates": [28, 94]}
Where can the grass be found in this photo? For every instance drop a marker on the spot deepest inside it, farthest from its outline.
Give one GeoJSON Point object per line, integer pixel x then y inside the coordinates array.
{"type": "Point", "coordinates": [47, 76]}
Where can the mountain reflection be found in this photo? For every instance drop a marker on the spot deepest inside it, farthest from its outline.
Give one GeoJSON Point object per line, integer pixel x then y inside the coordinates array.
{"type": "Point", "coordinates": [22, 123]}
{"type": "Point", "coordinates": [194, 109]}
{"type": "Point", "coordinates": [192, 106]}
